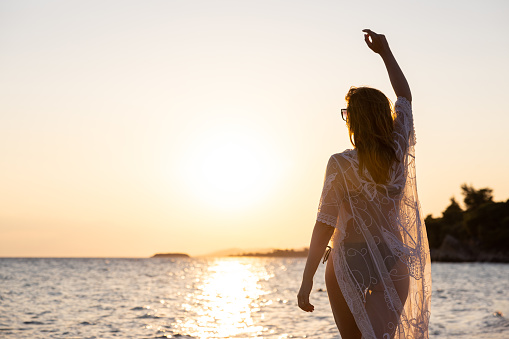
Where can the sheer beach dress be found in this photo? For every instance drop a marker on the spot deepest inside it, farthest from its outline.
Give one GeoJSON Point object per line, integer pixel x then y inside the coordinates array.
{"type": "Point", "coordinates": [380, 248]}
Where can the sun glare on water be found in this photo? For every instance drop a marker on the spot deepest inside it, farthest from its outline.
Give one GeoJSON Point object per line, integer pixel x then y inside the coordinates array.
{"type": "Point", "coordinates": [226, 302]}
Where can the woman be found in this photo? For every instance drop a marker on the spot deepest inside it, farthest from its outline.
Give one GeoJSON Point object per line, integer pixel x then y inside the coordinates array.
{"type": "Point", "coordinates": [379, 275]}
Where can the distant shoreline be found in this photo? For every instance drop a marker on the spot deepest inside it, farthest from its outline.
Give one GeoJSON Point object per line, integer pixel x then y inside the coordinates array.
{"type": "Point", "coordinates": [277, 254]}
{"type": "Point", "coordinates": [170, 255]}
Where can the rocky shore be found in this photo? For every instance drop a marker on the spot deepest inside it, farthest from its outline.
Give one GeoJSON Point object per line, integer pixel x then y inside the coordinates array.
{"type": "Point", "coordinates": [453, 250]}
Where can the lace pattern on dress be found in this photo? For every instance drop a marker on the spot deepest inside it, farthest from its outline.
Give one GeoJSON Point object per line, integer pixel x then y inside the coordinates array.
{"type": "Point", "coordinates": [327, 219]}
{"type": "Point", "coordinates": [380, 248]}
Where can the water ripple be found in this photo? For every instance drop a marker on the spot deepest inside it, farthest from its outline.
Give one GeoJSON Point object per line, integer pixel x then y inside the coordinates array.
{"type": "Point", "coordinates": [216, 298]}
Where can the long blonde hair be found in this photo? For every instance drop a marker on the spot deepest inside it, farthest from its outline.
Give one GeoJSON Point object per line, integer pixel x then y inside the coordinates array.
{"type": "Point", "coordinates": [371, 126]}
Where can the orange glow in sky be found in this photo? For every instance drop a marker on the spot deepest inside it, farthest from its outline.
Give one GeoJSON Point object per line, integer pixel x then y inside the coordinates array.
{"type": "Point", "coordinates": [130, 128]}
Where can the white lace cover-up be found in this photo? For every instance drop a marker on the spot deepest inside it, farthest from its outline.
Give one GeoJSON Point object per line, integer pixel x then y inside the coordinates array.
{"type": "Point", "coordinates": [380, 248]}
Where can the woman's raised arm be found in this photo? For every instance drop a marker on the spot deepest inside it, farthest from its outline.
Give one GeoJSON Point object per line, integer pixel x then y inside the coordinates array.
{"type": "Point", "coordinates": [378, 44]}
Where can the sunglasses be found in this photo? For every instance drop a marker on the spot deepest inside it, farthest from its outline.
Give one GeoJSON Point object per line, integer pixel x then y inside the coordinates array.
{"type": "Point", "coordinates": [344, 113]}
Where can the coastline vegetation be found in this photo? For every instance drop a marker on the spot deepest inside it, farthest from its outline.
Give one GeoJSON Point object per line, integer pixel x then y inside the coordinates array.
{"type": "Point", "coordinates": [478, 232]}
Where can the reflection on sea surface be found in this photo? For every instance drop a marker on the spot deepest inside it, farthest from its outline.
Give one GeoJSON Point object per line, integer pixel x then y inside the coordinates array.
{"type": "Point", "coordinates": [225, 302]}
{"type": "Point", "coordinates": [216, 298]}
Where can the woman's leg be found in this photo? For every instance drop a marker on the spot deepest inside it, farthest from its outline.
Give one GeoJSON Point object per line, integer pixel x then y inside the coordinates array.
{"type": "Point", "coordinates": [383, 314]}
{"type": "Point", "coordinates": [342, 315]}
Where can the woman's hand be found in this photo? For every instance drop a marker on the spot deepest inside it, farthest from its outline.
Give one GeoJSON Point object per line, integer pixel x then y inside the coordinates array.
{"type": "Point", "coordinates": [303, 295]}
{"type": "Point", "coordinates": [376, 42]}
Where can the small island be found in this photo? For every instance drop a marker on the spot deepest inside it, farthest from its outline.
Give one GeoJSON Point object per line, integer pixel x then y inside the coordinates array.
{"type": "Point", "coordinates": [170, 255]}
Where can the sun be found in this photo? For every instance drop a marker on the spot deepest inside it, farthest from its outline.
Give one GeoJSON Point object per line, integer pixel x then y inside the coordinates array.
{"type": "Point", "coordinates": [230, 168]}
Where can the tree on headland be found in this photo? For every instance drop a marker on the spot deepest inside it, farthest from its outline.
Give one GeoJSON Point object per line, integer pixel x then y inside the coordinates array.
{"type": "Point", "coordinates": [475, 198]}
{"type": "Point", "coordinates": [450, 223]}
{"type": "Point", "coordinates": [482, 227]}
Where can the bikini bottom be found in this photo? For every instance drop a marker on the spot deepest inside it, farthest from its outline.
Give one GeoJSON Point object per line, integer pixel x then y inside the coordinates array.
{"type": "Point", "coordinates": [363, 268]}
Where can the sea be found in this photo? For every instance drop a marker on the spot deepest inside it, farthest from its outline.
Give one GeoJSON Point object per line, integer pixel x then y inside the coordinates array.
{"type": "Point", "coordinates": [217, 298]}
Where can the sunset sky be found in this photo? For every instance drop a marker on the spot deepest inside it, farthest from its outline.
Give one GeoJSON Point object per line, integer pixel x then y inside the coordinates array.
{"type": "Point", "coordinates": [134, 127]}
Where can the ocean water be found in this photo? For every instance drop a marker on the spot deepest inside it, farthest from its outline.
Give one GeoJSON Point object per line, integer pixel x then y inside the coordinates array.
{"type": "Point", "coordinates": [217, 298]}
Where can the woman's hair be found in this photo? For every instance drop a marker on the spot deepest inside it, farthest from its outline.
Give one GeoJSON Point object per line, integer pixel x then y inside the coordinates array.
{"type": "Point", "coordinates": [371, 126]}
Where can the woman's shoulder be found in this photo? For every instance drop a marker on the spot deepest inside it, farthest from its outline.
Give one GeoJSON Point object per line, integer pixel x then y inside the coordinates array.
{"type": "Point", "coordinates": [347, 155]}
